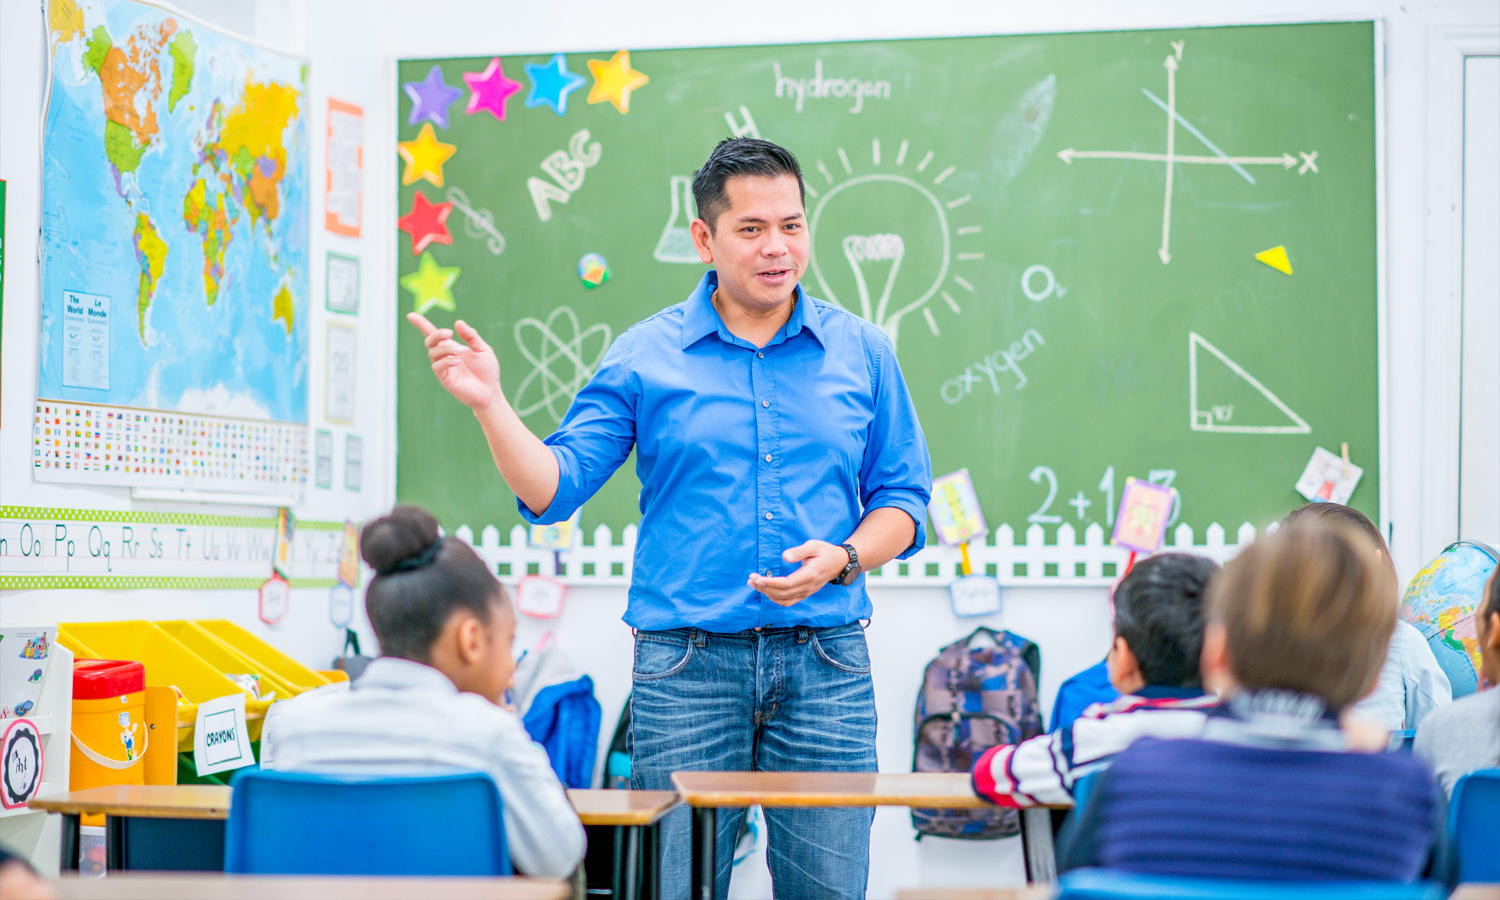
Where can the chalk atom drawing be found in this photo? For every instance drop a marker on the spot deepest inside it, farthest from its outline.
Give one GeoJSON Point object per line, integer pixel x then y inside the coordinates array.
{"type": "Point", "coordinates": [1226, 417]}
{"type": "Point", "coordinates": [563, 358]}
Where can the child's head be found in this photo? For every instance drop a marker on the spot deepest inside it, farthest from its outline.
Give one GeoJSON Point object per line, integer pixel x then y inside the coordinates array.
{"type": "Point", "coordinates": [1159, 623]}
{"type": "Point", "coordinates": [1487, 623]}
{"type": "Point", "coordinates": [1349, 517]}
{"type": "Point", "coordinates": [1305, 609]}
{"type": "Point", "coordinates": [434, 601]}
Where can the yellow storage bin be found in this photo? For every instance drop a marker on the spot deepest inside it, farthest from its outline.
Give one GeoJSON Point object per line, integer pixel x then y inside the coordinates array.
{"type": "Point", "coordinates": [224, 657]}
{"type": "Point", "coordinates": [168, 664]}
{"type": "Point", "coordinates": [292, 673]}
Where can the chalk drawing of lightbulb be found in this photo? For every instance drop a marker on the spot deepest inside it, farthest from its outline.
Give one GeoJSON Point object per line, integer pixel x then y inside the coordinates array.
{"type": "Point", "coordinates": [886, 272]}
{"type": "Point", "coordinates": [890, 240]}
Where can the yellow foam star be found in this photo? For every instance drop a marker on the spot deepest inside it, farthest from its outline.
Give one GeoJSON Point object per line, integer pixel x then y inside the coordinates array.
{"type": "Point", "coordinates": [614, 80]}
{"type": "Point", "coordinates": [425, 157]}
{"type": "Point", "coordinates": [431, 285]}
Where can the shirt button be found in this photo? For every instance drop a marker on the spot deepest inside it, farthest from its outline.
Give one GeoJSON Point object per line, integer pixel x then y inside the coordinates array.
{"type": "Point", "coordinates": [760, 355]}
{"type": "Point", "coordinates": [768, 457]}
{"type": "Point", "coordinates": [768, 516]}
{"type": "Point", "coordinates": [766, 404]}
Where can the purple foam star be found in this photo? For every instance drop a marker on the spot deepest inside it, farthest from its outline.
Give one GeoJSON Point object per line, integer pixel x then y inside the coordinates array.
{"type": "Point", "coordinates": [430, 98]}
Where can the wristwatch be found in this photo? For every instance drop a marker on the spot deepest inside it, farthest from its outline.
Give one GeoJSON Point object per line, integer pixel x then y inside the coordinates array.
{"type": "Point", "coordinates": [851, 571]}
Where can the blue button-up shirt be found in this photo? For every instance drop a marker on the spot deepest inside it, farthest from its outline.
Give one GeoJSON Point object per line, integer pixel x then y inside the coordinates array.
{"type": "Point", "coordinates": [743, 453]}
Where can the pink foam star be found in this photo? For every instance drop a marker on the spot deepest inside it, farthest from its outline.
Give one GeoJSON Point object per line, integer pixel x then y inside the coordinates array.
{"type": "Point", "coordinates": [489, 89]}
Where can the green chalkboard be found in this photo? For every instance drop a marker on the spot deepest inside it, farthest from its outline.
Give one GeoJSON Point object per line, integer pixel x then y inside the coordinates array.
{"type": "Point", "coordinates": [1069, 310]}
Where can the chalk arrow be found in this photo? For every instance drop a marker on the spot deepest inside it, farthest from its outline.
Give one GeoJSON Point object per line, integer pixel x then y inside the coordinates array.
{"type": "Point", "coordinates": [1171, 63]}
{"type": "Point", "coordinates": [1285, 160]}
{"type": "Point", "coordinates": [1165, 256]}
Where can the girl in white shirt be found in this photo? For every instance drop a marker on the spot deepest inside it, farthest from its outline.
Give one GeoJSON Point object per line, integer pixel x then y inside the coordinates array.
{"type": "Point", "coordinates": [431, 702]}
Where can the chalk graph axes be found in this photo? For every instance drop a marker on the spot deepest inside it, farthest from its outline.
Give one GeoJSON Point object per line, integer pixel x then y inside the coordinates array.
{"type": "Point", "coordinates": [1171, 158]}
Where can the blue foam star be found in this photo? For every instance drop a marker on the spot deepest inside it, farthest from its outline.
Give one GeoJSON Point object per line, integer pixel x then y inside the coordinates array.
{"type": "Point", "coordinates": [430, 98]}
{"type": "Point", "coordinates": [551, 83]}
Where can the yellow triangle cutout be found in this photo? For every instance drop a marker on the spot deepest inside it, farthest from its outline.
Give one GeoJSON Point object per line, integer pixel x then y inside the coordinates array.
{"type": "Point", "coordinates": [1276, 259]}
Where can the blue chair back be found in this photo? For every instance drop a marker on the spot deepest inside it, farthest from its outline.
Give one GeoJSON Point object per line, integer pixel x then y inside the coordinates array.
{"type": "Point", "coordinates": [1474, 825]}
{"type": "Point", "coordinates": [295, 823]}
{"type": "Point", "coordinates": [1106, 884]}
{"type": "Point", "coordinates": [1083, 787]}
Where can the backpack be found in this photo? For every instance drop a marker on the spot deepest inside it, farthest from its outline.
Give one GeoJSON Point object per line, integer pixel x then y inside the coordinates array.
{"type": "Point", "coordinates": [977, 693]}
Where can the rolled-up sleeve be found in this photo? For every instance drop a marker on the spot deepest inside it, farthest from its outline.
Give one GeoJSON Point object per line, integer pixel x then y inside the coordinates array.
{"type": "Point", "coordinates": [595, 437]}
{"type": "Point", "coordinates": [896, 472]}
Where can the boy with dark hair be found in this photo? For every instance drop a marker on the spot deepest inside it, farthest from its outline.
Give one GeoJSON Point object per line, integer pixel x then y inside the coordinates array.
{"type": "Point", "coordinates": [1153, 663]}
{"type": "Point", "coordinates": [1297, 628]}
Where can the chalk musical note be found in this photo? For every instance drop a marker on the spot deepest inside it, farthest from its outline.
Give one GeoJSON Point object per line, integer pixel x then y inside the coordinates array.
{"type": "Point", "coordinates": [478, 222]}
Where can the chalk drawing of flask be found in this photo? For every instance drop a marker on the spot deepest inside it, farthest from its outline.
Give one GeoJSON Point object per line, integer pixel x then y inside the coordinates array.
{"type": "Point", "coordinates": [676, 242]}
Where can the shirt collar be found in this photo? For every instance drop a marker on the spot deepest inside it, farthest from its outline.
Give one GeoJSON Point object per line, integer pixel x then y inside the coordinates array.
{"type": "Point", "coordinates": [701, 319]}
{"type": "Point", "coordinates": [1163, 692]}
{"type": "Point", "coordinates": [393, 672]}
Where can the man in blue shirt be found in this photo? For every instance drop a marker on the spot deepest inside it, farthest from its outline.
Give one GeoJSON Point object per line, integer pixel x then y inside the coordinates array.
{"type": "Point", "coordinates": [779, 456]}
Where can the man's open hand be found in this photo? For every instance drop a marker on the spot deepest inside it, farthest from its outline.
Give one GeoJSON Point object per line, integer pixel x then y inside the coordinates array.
{"type": "Point", "coordinates": [470, 373]}
{"type": "Point", "coordinates": [821, 563]}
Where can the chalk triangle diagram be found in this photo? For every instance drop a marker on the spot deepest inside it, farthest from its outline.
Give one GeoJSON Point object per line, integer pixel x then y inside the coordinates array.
{"type": "Point", "coordinates": [1224, 398]}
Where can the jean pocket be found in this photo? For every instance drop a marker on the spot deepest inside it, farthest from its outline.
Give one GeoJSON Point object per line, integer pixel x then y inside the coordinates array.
{"type": "Point", "coordinates": [845, 652]}
{"type": "Point", "coordinates": [659, 657]}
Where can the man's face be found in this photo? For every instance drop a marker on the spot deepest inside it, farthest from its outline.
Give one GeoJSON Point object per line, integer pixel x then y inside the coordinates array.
{"type": "Point", "coordinates": [759, 244]}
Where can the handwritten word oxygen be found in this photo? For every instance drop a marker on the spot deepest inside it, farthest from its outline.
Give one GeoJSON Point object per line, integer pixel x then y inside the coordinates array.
{"type": "Point", "coordinates": [989, 368]}
{"type": "Point", "coordinates": [820, 88]}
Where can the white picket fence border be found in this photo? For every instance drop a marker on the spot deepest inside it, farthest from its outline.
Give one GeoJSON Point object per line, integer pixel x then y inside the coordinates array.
{"type": "Point", "coordinates": [1064, 562]}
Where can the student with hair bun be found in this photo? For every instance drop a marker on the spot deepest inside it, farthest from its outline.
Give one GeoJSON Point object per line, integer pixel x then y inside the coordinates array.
{"type": "Point", "coordinates": [431, 702]}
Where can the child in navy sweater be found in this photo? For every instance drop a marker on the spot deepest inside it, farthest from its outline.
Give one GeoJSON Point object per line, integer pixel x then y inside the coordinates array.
{"type": "Point", "coordinates": [1298, 629]}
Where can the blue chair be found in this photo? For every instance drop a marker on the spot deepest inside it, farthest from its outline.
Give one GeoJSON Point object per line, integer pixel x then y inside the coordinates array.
{"type": "Point", "coordinates": [1474, 825]}
{"type": "Point", "coordinates": [1105, 884]}
{"type": "Point", "coordinates": [1083, 787]}
{"type": "Point", "coordinates": [294, 823]}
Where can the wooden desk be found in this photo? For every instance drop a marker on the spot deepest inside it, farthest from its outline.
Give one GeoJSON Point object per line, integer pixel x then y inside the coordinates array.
{"type": "Point", "coordinates": [185, 820]}
{"type": "Point", "coordinates": [165, 801]}
{"type": "Point", "coordinates": [938, 790]}
{"type": "Point", "coordinates": [706, 792]}
{"type": "Point", "coordinates": [636, 817]}
{"type": "Point", "coordinates": [139, 886]}
{"type": "Point", "coordinates": [614, 807]}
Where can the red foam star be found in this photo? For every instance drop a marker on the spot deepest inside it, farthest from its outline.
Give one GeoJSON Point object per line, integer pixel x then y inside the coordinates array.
{"type": "Point", "coordinates": [425, 223]}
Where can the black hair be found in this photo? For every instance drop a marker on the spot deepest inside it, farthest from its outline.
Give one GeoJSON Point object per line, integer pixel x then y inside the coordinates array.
{"type": "Point", "coordinates": [421, 580]}
{"type": "Point", "coordinates": [740, 156]}
{"type": "Point", "coordinates": [1345, 515]}
{"type": "Point", "coordinates": [1159, 613]}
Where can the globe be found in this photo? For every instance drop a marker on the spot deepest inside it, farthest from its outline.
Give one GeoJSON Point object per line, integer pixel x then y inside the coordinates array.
{"type": "Point", "coordinates": [1440, 602]}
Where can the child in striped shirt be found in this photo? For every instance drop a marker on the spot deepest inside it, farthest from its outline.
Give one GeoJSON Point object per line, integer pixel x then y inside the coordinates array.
{"type": "Point", "coordinates": [1153, 663]}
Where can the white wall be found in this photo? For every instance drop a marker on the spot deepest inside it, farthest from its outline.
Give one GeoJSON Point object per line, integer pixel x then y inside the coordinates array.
{"type": "Point", "coordinates": [353, 45]}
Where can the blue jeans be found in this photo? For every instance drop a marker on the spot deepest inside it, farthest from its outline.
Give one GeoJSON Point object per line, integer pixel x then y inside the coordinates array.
{"type": "Point", "coordinates": [775, 700]}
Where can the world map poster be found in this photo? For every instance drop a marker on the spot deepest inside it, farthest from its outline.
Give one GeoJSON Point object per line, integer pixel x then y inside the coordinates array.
{"type": "Point", "coordinates": [174, 334]}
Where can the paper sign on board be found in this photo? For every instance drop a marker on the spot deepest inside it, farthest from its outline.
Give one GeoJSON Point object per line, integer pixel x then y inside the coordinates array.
{"type": "Point", "coordinates": [221, 741]}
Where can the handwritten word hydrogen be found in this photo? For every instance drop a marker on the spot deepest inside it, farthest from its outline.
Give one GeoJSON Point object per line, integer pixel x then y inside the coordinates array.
{"type": "Point", "coordinates": [820, 88]}
{"type": "Point", "coordinates": [989, 368]}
